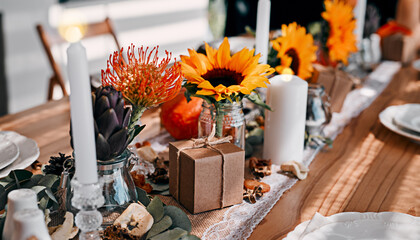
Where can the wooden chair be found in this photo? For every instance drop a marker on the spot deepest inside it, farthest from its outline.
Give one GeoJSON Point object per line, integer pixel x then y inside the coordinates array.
{"type": "Point", "coordinates": [49, 39]}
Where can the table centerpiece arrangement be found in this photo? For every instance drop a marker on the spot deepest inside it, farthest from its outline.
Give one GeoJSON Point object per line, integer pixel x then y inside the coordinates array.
{"type": "Point", "coordinates": [223, 81]}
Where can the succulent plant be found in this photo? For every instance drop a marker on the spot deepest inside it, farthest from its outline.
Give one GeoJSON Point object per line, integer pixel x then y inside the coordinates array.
{"type": "Point", "coordinates": [111, 119]}
{"type": "Point", "coordinates": [111, 122]}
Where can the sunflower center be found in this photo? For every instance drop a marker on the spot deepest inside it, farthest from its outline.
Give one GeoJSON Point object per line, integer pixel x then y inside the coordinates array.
{"type": "Point", "coordinates": [295, 60]}
{"type": "Point", "coordinates": [223, 76]}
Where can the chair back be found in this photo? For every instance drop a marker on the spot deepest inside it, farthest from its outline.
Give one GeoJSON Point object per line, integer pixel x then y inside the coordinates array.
{"type": "Point", "coordinates": [50, 37]}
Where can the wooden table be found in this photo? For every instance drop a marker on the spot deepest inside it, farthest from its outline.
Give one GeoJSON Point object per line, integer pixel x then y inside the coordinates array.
{"type": "Point", "coordinates": [369, 169]}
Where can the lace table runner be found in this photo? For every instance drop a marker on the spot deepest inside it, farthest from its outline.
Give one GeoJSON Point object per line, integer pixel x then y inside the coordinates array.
{"type": "Point", "coordinates": [238, 222]}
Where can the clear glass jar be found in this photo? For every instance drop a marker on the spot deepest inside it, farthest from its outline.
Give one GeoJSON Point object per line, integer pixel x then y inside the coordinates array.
{"type": "Point", "coordinates": [318, 113]}
{"type": "Point", "coordinates": [118, 186]}
{"type": "Point", "coordinates": [232, 118]}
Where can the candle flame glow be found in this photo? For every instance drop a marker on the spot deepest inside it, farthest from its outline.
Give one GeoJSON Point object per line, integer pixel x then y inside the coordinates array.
{"type": "Point", "coordinates": [286, 77]}
{"type": "Point", "coordinates": [72, 26]}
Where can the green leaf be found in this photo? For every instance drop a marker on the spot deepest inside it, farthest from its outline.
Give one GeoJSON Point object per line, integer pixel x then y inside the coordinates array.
{"type": "Point", "coordinates": [175, 233]}
{"type": "Point", "coordinates": [48, 180]}
{"type": "Point", "coordinates": [155, 208]}
{"type": "Point", "coordinates": [165, 193]}
{"type": "Point", "coordinates": [158, 187]}
{"type": "Point", "coordinates": [3, 197]}
{"type": "Point", "coordinates": [51, 195]}
{"type": "Point", "coordinates": [190, 237]}
{"type": "Point", "coordinates": [255, 98]}
{"type": "Point", "coordinates": [142, 196]}
{"type": "Point", "coordinates": [38, 189]}
{"type": "Point", "coordinates": [137, 129]}
{"type": "Point", "coordinates": [179, 218]}
{"type": "Point", "coordinates": [160, 226]}
{"type": "Point", "coordinates": [36, 178]}
{"type": "Point", "coordinates": [20, 176]}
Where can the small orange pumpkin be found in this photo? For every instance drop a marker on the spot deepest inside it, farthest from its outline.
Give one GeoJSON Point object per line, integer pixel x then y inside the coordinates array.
{"type": "Point", "coordinates": [180, 118]}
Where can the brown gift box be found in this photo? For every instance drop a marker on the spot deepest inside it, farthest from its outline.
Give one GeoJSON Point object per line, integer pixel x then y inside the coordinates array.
{"type": "Point", "coordinates": [337, 85]}
{"type": "Point", "coordinates": [200, 181]}
{"type": "Point", "coordinates": [398, 47]}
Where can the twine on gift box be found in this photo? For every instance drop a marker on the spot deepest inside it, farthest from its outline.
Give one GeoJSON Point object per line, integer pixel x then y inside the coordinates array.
{"type": "Point", "coordinates": [208, 142]}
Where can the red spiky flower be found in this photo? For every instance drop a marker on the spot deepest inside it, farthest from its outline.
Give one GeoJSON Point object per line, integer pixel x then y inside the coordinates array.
{"type": "Point", "coordinates": [143, 80]}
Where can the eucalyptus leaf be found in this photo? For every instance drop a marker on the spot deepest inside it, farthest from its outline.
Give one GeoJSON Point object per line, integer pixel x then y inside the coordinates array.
{"type": "Point", "coordinates": [2, 220]}
{"type": "Point", "coordinates": [20, 175]}
{"type": "Point", "coordinates": [179, 218]}
{"type": "Point", "coordinates": [165, 193]}
{"type": "Point", "coordinates": [48, 180]}
{"type": "Point", "coordinates": [38, 189]}
{"type": "Point", "coordinates": [142, 196]}
{"type": "Point", "coordinates": [3, 197]}
{"type": "Point", "coordinates": [190, 237]}
{"type": "Point", "coordinates": [175, 233]}
{"type": "Point", "coordinates": [36, 178]}
{"type": "Point", "coordinates": [42, 204]}
{"type": "Point", "coordinates": [157, 187]}
{"type": "Point", "coordinates": [160, 226]}
{"type": "Point", "coordinates": [155, 208]}
{"type": "Point", "coordinates": [51, 195]}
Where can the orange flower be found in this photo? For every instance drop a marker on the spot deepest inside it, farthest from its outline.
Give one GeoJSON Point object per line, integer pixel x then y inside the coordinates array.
{"type": "Point", "coordinates": [143, 81]}
{"type": "Point", "coordinates": [296, 51]}
{"type": "Point", "coordinates": [222, 76]}
{"type": "Point", "coordinates": [341, 40]}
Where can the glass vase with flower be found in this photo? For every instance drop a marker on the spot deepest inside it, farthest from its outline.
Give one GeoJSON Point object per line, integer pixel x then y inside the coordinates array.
{"type": "Point", "coordinates": [129, 87]}
{"type": "Point", "coordinates": [223, 80]}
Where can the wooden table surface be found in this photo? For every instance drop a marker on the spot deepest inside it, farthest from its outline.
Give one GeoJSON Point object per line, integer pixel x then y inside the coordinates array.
{"type": "Point", "coordinates": [369, 168]}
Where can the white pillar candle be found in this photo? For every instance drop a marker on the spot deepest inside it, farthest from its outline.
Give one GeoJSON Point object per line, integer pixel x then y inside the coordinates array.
{"type": "Point", "coordinates": [284, 133]}
{"type": "Point", "coordinates": [263, 29]}
{"type": "Point", "coordinates": [81, 115]}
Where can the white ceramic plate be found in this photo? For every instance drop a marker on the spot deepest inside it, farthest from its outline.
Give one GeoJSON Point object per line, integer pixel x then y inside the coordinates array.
{"type": "Point", "coordinates": [9, 151]}
{"type": "Point", "coordinates": [352, 225]}
{"type": "Point", "coordinates": [416, 64]}
{"type": "Point", "coordinates": [28, 152]}
{"type": "Point", "coordinates": [408, 116]}
{"type": "Point", "coordinates": [386, 117]}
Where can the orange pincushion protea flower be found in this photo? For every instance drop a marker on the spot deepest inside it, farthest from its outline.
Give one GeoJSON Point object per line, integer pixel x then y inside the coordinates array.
{"type": "Point", "coordinates": [341, 40]}
{"type": "Point", "coordinates": [144, 81]}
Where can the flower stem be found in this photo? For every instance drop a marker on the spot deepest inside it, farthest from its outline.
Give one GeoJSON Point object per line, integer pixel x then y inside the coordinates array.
{"type": "Point", "coordinates": [135, 116]}
{"type": "Point", "coordinates": [219, 120]}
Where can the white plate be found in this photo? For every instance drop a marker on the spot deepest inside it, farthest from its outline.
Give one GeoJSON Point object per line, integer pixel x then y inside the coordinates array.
{"type": "Point", "coordinates": [9, 151]}
{"type": "Point", "coordinates": [416, 64]}
{"type": "Point", "coordinates": [408, 116]}
{"type": "Point", "coordinates": [386, 117]}
{"type": "Point", "coordinates": [28, 152]}
{"type": "Point", "coordinates": [353, 225]}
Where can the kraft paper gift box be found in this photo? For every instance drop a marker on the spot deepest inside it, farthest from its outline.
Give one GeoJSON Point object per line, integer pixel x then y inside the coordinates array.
{"type": "Point", "coordinates": [201, 179]}
{"type": "Point", "coordinates": [337, 85]}
{"type": "Point", "coordinates": [399, 47]}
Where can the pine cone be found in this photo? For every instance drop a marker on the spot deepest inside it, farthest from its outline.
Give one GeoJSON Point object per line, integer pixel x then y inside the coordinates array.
{"type": "Point", "coordinates": [56, 165]}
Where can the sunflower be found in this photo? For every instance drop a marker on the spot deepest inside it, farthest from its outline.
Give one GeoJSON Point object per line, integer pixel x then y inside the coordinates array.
{"type": "Point", "coordinates": [222, 76]}
{"type": "Point", "coordinates": [341, 39]}
{"type": "Point", "coordinates": [296, 51]}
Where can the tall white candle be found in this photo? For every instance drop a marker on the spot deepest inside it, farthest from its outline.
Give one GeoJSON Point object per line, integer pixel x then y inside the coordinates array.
{"type": "Point", "coordinates": [284, 133]}
{"type": "Point", "coordinates": [263, 29]}
{"type": "Point", "coordinates": [81, 115]}
{"type": "Point", "coordinates": [359, 12]}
